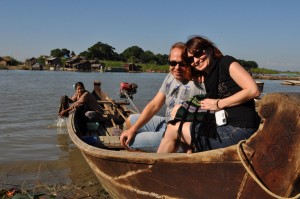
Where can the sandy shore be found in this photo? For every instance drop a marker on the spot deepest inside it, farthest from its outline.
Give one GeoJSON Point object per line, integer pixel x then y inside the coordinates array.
{"type": "Point", "coordinates": [272, 77]}
{"type": "Point", "coordinates": [61, 178]}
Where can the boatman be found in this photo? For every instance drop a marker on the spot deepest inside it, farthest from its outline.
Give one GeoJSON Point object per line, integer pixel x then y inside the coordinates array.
{"type": "Point", "coordinates": [99, 94]}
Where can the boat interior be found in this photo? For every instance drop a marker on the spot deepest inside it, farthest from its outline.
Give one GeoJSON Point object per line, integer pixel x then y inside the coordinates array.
{"type": "Point", "coordinates": [105, 132]}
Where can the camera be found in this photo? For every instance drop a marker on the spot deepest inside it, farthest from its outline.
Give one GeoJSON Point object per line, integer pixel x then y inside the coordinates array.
{"type": "Point", "coordinates": [220, 118]}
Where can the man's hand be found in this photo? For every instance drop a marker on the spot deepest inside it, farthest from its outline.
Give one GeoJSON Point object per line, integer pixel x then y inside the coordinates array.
{"type": "Point", "coordinates": [126, 137]}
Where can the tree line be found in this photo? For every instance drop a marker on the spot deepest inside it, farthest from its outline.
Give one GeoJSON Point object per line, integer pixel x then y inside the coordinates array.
{"type": "Point", "coordinates": [105, 52]}
{"type": "Point", "coordinates": [133, 54]}
{"type": "Point", "coordinates": [102, 51]}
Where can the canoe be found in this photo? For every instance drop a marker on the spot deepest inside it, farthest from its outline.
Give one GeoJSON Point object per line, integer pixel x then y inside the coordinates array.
{"type": "Point", "coordinates": [291, 82]}
{"type": "Point", "coordinates": [267, 165]}
{"type": "Point", "coordinates": [260, 85]}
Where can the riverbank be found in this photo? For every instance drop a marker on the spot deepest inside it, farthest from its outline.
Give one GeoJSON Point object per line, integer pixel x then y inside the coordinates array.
{"type": "Point", "coordinates": [51, 179]}
{"type": "Point", "coordinates": [292, 76]}
{"type": "Point", "coordinates": [277, 77]}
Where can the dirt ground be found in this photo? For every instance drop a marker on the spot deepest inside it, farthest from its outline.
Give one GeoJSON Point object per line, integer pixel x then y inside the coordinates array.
{"type": "Point", "coordinates": [50, 179]}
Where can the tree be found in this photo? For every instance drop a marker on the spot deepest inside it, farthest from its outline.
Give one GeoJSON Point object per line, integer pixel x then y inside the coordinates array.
{"type": "Point", "coordinates": [60, 52]}
{"type": "Point", "coordinates": [248, 64]}
{"type": "Point", "coordinates": [133, 53]}
{"type": "Point", "coordinates": [253, 64]}
{"type": "Point", "coordinates": [41, 60]}
{"type": "Point", "coordinates": [56, 52]}
{"type": "Point", "coordinates": [102, 51]}
{"type": "Point", "coordinates": [86, 54]}
{"type": "Point", "coordinates": [65, 52]}
{"type": "Point", "coordinates": [162, 59]}
{"type": "Point", "coordinates": [108, 51]}
{"type": "Point", "coordinates": [147, 57]}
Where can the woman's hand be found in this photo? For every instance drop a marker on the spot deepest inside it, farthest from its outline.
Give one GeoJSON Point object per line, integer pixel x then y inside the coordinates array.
{"type": "Point", "coordinates": [210, 104]}
{"type": "Point", "coordinates": [63, 113]}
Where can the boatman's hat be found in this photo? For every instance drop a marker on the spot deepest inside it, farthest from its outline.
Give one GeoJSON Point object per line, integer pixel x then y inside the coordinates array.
{"type": "Point", "coordinates": [97, 82]}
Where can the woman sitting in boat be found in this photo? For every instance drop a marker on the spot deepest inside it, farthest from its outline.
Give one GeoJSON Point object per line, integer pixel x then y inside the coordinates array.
{"type": "Point", "coordinates": [84, 100]}
{"type": "Point", "coordinates": [230, 88]}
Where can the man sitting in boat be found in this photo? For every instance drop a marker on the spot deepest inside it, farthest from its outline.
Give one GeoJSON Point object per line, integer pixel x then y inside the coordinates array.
{"type": "Point", "coordinates": [145, 130]}
{"type": "Point", "coordinates": [84, 100]}
{"type": "Point", "coordinates": [99, 94]}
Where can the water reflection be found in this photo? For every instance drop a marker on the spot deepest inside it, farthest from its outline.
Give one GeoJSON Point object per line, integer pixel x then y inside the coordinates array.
{"type": "Point", "coordinates": [63, 139]}
{"type": "Point", "coordinates": [79, 172]}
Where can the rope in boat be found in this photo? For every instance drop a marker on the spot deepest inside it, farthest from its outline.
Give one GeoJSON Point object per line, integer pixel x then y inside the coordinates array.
{"type": "Point", "coordinates": [127, 96]}
{"type": "Point", "coordinates": [255, 177]}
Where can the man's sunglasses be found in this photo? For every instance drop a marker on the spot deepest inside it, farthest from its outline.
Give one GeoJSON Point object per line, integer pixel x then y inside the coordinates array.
{"type": "Point", "coordinates": [174, 63]}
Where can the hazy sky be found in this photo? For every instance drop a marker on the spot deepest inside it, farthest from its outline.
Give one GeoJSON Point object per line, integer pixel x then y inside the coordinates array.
{"type": "Point", "coordinates": [265, 31]}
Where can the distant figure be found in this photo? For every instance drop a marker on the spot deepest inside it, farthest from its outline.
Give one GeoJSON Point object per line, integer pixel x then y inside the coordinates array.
{"type": "Point", "coordinates": [99, 94]}
{"type": "Point", "coordinates": [85, 101]}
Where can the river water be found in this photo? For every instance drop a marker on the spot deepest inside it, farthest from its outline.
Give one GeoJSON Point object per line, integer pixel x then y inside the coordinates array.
{"type": "Point", "coordinates": [29, 105]}
{"type": "Point", "coordinates": [29, 101]}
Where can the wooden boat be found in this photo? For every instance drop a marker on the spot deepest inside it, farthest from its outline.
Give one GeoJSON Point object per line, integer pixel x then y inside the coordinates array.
{"type": "Point", "coordinates": [260, 85]}
{"type": "Point", "coordinates": [291, 82]}
{"type": "Point", "coordinates": [267, 165]}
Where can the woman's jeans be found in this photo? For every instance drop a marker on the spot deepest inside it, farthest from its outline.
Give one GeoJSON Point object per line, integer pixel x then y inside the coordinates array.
{"type": "Point", "coordinates": [229, 135]}
{"type": "Point", "coordinates": [149, 136]}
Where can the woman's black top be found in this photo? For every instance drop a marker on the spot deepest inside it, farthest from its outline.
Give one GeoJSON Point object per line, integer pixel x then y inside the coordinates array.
{"type": "Point", "coordinates": [220, 85]}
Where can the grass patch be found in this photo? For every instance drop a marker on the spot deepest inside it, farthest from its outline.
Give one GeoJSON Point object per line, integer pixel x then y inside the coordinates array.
{"type": "Point", "coordinates": [3, 68]}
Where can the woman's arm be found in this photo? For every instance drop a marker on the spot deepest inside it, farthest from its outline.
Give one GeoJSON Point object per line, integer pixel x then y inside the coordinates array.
{"type": "Point", "coordinates": [245, 81]}
{"type": "Point", "coordinates": [81, 101]}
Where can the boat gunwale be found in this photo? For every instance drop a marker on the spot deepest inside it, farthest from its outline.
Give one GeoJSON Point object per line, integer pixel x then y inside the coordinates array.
{"type": "Point", "coordinates": [216, 155]}
{"type": "Point", "coordinates": [212, 156]}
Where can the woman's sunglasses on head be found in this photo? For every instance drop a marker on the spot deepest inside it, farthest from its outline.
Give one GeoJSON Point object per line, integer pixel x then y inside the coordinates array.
{"type": "Point", "coordinates": [198, 53]}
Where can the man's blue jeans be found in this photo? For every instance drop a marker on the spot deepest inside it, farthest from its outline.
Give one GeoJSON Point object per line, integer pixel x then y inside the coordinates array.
{"type": "Point", "coordinates": [149, 136]}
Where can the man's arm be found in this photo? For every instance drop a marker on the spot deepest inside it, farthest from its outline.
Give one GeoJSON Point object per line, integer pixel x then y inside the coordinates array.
{"type": "Point", "coordinates": [149, 111]}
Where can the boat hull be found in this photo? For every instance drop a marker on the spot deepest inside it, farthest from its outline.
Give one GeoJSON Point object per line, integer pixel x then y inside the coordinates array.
{"type": "Point", "coordinates": [273, 153]}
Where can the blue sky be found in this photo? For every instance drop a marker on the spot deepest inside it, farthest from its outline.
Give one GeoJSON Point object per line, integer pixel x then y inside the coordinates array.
{"type": "Point", "coordinates": [265, 31]}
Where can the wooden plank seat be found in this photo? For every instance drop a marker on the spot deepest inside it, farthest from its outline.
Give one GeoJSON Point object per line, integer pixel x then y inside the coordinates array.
{"type": "Point", "coordinates": [112, 142]}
